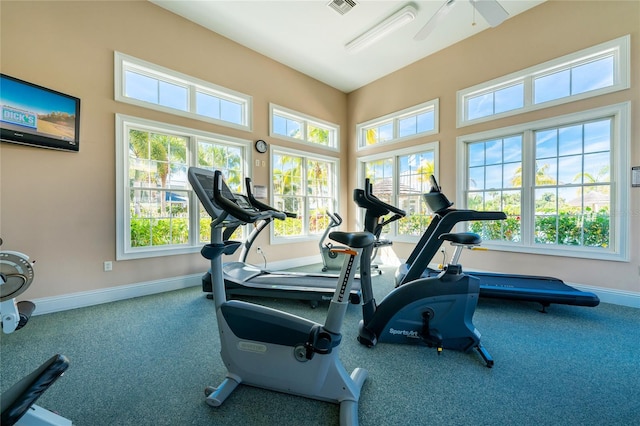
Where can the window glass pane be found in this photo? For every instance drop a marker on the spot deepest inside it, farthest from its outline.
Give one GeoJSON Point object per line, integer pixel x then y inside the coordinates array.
{"type": "Point", "coordinates": [230, 111]}
{"type": "Point", "coordinates": [426, 121]}
{"type": "Point", "coordinates": [371, 136]}
{"type": "Point", "coordinates": [493, 178]}
{"type": "Point", "coordinates": [476, 178]}
{"type": "Point", "coordinates": [493, 152]}
{"type": "Point", "coordinates": [294, 129]}
{"type": "Point", "coordinates": [480, 106]}
{"type": "Point", "coordinates": [407, 126]}
{"type": "Point", "coordinates": [569, 169]}
{"type": "Point", "coordinates": [138, 86]}
{"type": "Point", "coordinates": [552, 86]}
{"type": "Point", "coordinates": [476, 154]}
{"type": "Point", "coordinates": [511, 202]}
{"type": "Point", "coordinates": [596, 216]}
{"type": "Point", "coordinates": [597, 136]}
{"type": "Point", "coordinates": [318, 135]}
{"type": "Point", "coordinates": [279, 125]}
{"type": "Point", "coordinates": [597, 167]}
{"type": "Point", "coordinates": [509, 98]}
{"type": "Point", "coordinates": [173, 96]}
{"type": "Point", "coordinates": [546, 143]}
{"type": "Point", "coordinates": [570, 140]}
{"type": "Point", "coordinates": [385, 132]}
{"type": "Point", "coordinates": [207, 105]}
{"type": "Point", "coordinates": [546, 172]}
{"type": "Point", "coordinates": [545, 216]}
{"type": "Point", "coordinates": [512, 175]}
{"type": "Point", "coordinates": [591, 76]}
{"type": "Point", "coordinates": [512, 148]}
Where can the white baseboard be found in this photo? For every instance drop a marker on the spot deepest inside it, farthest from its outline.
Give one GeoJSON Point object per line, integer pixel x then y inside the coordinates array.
{"type": "Point", "coordinates": [83, 299]}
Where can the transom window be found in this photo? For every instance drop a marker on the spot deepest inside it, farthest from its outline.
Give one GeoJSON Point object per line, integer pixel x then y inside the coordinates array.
{"type": "Point", "coordinates": [157, 212]}
{"type": "Point", "coordinates": [560, 182]}
{"type": "Point", "coordinates": [400, 178]}
{"type": "Point", "coordinates": [306, 185]}
{"type": "Point", "coordinates": [152, 86]}
{"type": "Point", "coordinates": [419, 120]}
{"type": "Point", "coordinates": [590, 72]}
{"type": "Point", "coordinates": [291, 125]}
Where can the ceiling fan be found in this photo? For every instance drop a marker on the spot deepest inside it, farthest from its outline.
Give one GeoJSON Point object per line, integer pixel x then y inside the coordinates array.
{"type": "Point", "coordinates": [490, 10]}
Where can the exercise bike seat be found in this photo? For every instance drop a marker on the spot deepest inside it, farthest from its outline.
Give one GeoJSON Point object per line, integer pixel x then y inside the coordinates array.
{"type": "Point", "coordinates": [461, 238]}
{"type": "Point", "coordinates": [17, 400]}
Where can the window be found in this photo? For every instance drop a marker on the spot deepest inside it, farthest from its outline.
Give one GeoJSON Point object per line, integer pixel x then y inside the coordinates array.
{"type": "Point", "coordinates": [157, 212]}
{"type": "Point", "coordinates": [400, 178]}
{"type": "Point", "coordinates": [600, 69]}
{"type": "Point", "coordinates": [145, 84]}
{"type": "Point", "coordinates": [305, 185]}
{"type": "Point", "coordinates": [419, 120]}
{"type": "Point", "coordinates": [291, 125]}
{"type": "Point", "coordinates": [561, 182]}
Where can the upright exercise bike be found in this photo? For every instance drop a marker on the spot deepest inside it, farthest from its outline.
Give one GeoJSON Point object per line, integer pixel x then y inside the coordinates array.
{"type": "Point", "coordinates": [271, 349]}
{"type": "Point", "coordinates": [437, 312]}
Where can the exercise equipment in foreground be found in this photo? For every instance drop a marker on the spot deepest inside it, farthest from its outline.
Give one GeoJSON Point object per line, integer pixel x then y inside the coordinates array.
{"type": "Point", "coordinates": [540, 289]}
{"type": "Point", "coordinates": [437, 311]}
{"type": "Point", "coordinates": [244, 279]}
{"type": "Point", "coordinates": [271, 349]}
{"type": "Point", "coordinates": [18, 402]}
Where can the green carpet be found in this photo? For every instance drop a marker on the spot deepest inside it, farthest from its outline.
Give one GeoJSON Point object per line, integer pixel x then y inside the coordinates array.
{"type": "Point", "coordinates": [146, 361]}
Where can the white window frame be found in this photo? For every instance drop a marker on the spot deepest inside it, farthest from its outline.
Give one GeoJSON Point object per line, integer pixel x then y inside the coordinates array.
{"type": "Point", "coordinates": [431, 146]}
{"type": "Point", "coordinates": [124, 251]}
{"type": "Point", "coordinates": [620, 194]}
{"type": "Point", "coordinates": [124, 63]}
{"type": "Point", "coordinates": [394, 118]}
{"type": "Point", "coordinates": [305, 120]}
{"type": "Point", "coordinates": [336, 199]}
{"type": "Point", "coordinates": [618, 48]}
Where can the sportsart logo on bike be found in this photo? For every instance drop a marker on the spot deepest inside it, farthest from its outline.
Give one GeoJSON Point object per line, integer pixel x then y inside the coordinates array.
{"type": "Point", "coordinates": [407, 333]}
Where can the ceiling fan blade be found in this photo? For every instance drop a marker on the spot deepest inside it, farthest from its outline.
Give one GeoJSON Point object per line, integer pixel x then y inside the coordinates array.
{"type": "Point", "coordinates": [491, 11]}
{"type": "Point", "coordinates": [433, 22]}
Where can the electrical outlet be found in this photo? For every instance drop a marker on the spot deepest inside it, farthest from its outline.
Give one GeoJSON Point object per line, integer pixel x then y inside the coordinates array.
{"type": "Point", "coordinates": [259, 250]}
{"type": "Point", "coordinates": [108, 266]}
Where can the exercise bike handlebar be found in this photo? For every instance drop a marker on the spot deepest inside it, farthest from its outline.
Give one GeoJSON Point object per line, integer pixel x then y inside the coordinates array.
{"type": "Point", "coordinates": [231, 207]}
{"type": "Point", "coordinates": [368, 195]}
{"type": "Point", "coordinates": [335, 218]}
{"type": "Point", "coordinates": [278, 214]}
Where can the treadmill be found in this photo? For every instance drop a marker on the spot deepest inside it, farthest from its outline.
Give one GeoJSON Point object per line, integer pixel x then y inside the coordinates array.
{"type": "Point", "coordinates": [243, 279]}
{"type": "Point", "coordinates": [540, 289]}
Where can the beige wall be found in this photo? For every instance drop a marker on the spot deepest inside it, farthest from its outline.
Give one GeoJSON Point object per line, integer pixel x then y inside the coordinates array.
{"type": "Point", "coordinates": [60, 207]}
{"type": "Point", "coordinates": [548, 31]}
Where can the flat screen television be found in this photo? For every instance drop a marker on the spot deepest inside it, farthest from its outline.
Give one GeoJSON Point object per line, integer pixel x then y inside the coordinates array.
{"type": "Point", "coordinates": [36, 116]}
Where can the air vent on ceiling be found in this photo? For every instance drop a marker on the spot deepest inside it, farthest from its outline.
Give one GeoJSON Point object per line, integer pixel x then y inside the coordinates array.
{"type": "Point", "coordinates": [342, 6]}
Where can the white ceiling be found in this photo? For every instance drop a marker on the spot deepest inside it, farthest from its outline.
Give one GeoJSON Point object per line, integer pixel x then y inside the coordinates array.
{"type": "Point", "coordinates": [309, 36]}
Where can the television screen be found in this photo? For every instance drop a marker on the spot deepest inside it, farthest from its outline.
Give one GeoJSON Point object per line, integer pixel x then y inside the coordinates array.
{"type": "Point", "coordinates": [37, 116]}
